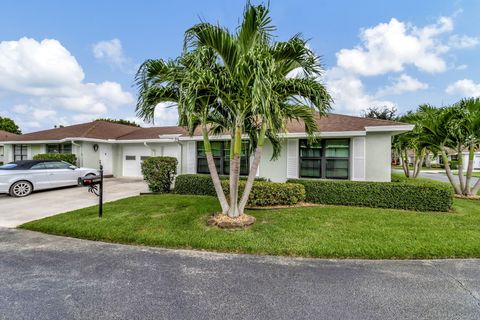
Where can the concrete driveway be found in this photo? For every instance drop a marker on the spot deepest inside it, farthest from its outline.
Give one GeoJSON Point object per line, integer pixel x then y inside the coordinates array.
{"type": "Point", "coordinates": [49, 277]}
{"type": "Point", "coordinates": [15, 211]}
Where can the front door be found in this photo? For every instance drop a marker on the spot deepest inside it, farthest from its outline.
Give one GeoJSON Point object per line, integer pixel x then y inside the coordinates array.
{"type": "Point", "coordinates": [106, 158]}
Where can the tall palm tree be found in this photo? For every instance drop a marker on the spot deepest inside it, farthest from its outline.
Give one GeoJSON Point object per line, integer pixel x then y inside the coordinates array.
{"type": "Point", "coordinates": [263, 98]}
{"type": "Point", "coordinates": [190, 82]}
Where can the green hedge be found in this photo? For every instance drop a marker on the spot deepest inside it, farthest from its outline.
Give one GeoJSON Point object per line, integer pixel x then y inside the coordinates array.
{"type": "Point", "coordinates": [159, 173]}
{"type": "Point", "coordinates": [263, 193]}
{"type": "Point", "coordinates": [420, 195]}
{"type": "Point", "coordinates": [67, 157]}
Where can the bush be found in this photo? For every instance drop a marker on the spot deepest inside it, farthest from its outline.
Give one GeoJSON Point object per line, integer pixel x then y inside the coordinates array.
{"type": "Point", "coordinates": [263, 193]}
{"type": "Point", "coordinates": [67, 157]}
{"type": "Point", "coordinates": [159, 173]}
{"type": "Point", "coordinates": [419, 195]}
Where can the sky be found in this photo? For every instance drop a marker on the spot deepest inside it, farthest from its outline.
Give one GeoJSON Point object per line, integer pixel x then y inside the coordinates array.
{"type": "Point", "coordinates": [67, 62]}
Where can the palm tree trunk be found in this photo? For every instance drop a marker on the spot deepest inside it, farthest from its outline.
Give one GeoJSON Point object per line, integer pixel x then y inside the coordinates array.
{"type": "Point", "coordinates": [418, 168]}
{"type": "Point", "coordinates": [253, 169]}
{"type": "Point", "coordinates": [233, 211]}
{"type": "Point", "coordinates": [405, 163]}
{"type": "Point", "coordinates": [461, 178]}
{"type": "Point", "coordinates": [471, 155]}
{"type": "Point", "coordinates": [213, 172]}
{"type": "Point", "coordinates": [449, 173]}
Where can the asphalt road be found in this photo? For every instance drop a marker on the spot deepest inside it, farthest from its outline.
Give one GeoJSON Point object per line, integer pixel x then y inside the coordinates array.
{"type": "Point", "coordinates": [439, 176]}
{"type": "Point", "coordinates": [49, 277]}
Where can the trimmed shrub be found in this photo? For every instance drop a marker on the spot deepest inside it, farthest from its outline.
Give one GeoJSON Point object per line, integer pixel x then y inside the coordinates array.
{"type": "Point", "coordinates": [67, 157]}
{"type": "Point", "coordinates": [263, 193]}
{"type": "Point", "coordinates": [400, 194]}
{"type": "Point", "coordinates": [159, 173]}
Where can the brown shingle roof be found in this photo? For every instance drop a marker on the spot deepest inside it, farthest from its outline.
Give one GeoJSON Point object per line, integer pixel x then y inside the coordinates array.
{"type": "Point", "coordinates": [5, 135]}
{"type": "Point", "coordinates": [153, 133]}
{"type": "Point", "coordinates": [338, 122]}
{"type": "Point", "coordinates": [107, 130]}
{"type": "Point", "coordinates": [93, 130]}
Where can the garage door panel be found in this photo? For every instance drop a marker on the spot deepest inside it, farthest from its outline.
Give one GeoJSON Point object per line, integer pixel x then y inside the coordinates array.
{"type": "Point", "coordinates": [132, 160]}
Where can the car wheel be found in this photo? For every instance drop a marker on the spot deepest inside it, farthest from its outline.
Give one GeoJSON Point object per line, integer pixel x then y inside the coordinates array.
{"type": "Point", "coordinates": [21, 189]}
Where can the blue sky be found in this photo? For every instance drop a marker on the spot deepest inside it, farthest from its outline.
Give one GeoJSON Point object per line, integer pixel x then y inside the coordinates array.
{"type": "Point", "coordinates": [69, 62]}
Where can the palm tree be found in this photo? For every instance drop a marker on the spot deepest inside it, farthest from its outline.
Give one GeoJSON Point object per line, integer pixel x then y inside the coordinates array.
{"type": "Point", "coordinates": [263, 98]}
{"type": "Point", "coordinates": [190, 82]}
{"type": "Point", "coordinates": [469, 130]}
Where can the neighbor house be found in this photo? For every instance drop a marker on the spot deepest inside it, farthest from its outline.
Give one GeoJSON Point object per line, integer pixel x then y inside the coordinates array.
{"type": "Point", "coordinates": [5, 135]}
{"type": "Point", "coordinates": [350, 147]}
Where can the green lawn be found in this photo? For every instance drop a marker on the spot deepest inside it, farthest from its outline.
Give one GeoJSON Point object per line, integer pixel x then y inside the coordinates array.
{"type": "Point", "coordinates": [177, 221]}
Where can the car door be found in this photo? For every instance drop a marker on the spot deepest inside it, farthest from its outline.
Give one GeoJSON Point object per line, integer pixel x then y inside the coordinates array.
{"type": "Point", "coordinates": [39, 176]}
{"type": "Point", "coordinates": [60, 174]}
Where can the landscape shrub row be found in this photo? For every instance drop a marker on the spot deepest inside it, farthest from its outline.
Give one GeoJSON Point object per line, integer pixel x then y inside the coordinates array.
{"type": "Point", "coordinates": [70, 158]}
{"type": "Point", "coordinates": [263, 193]}
{"type": "Point", "coordinates": [419, 195]}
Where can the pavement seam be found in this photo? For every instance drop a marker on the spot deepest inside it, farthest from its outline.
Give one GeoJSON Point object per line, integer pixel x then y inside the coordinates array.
{"type": "Point", "coordinates": [458, 282]}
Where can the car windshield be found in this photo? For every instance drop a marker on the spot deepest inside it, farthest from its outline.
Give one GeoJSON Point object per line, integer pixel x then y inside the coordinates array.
{"type": "Point", "coordinates": [8, 166]}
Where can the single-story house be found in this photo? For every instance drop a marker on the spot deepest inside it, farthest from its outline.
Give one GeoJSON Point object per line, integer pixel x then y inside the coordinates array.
{"type": "Point", "coordinates": [350, 147]}
{"type": "Point", "coordinates": [5, 135]}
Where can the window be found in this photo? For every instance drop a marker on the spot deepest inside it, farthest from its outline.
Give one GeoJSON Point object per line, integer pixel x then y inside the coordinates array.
{"type": "Point", "coordinates": [59, 148]}
{"type": "Point", "coordinates": [20, 152]}
{"type": "Point", "coordinates": [38, 166]}
{"type": "Point", "coordinates": [221, 157]}
{"type": "Point", "coordinates": [143, 158]}
{"type": "Point", "coordinates": [57, 165]}
{"type": "Point", "coordinates": [130, 157]}
{"type": "Point", "coordinates": [326, 159]}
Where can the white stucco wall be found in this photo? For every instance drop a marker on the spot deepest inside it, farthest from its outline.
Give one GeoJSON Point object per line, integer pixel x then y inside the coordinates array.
{"type": "Point", "coordinates": [378, 157]}
{"type": "Point", "coordinates": [87, 156]}
{"type": "Point", "coordinates": [275, 170]}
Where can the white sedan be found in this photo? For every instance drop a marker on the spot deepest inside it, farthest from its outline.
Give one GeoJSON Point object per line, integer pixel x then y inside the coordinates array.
{"type": "Point", "coordinates": [21, 178]}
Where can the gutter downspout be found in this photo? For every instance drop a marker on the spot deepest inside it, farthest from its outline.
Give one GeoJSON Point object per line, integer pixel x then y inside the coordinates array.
{"type": "Point", "coordinates": [151, 149]}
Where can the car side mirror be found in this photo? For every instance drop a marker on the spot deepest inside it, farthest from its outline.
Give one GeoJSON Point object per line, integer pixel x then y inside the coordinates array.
{"type": "Point", "coordinates": [72, 167]}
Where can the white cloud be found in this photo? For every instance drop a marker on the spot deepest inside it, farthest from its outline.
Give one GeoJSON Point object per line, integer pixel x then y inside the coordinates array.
{"type": "Point", "coordinates": [349, 94]}
{"type": "Point", "coordinates": [44, 73]}
{"type": "Point", "coordinates": [461, 67]}
{"type": "Point", "coordinates": [20, 108]}
{"type": "Point", "coordinates": [166, 114]}
{"type": "Point", "coordinates": [462, 42]}
{"type": "Point", "coordinates": [111, 51]}
{"type": "Point", "coordinates": [401, 84]}
{"type": "Point", "coordinates": [465, 87]}
{"type": "Point", "coordinates": [389, 47]}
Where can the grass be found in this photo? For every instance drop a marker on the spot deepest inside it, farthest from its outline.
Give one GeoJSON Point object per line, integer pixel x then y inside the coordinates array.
{"type": "Point", "coordinates": [177, 221]}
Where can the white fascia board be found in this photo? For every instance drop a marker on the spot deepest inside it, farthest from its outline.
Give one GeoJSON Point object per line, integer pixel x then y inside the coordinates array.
{"type": "Point", "coordinates": [395, 128]}
{"type": "Point", "coordinates": [286, 135]}
{"type": "Point", "coordinates": [145, 141]}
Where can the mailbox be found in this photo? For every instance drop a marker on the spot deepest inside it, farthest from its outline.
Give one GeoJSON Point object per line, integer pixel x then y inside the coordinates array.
{"type": "Point", "coordinates": [89, 181]}
{"type": "Point", "coordinates": [95, 185]}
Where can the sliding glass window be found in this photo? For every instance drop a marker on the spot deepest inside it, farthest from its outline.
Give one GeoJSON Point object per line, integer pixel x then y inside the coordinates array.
{"type": "Point", "coordinates": [325, 159]}
{"type": "Point", "coordinates": [221, 156]}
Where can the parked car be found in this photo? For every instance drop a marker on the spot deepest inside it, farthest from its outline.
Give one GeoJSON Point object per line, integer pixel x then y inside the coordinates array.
{"type": "Point", "coordinates": [21, 178]}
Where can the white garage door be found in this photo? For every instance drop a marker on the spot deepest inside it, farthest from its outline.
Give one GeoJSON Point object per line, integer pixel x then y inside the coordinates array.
{"type": "Point", "coordinates": [132, 160]}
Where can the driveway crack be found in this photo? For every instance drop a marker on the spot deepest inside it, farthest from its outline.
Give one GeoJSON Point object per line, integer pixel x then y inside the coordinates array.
{"type": "Point", "coordinates": [473, 294]}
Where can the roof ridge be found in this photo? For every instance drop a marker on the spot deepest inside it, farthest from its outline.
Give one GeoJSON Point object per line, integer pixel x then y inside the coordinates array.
{"type": "Point", "coordinates": [359, 117]}
{"type": "Point", "coordinates": [84, 134]}
{"type": "Point", "coordinates": [137, 129]}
